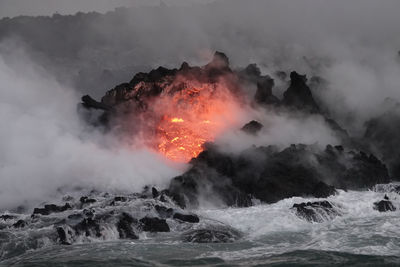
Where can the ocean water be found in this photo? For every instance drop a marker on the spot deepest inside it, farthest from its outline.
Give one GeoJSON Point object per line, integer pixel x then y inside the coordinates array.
{"type": "Point", "coordinates": [273, 235]}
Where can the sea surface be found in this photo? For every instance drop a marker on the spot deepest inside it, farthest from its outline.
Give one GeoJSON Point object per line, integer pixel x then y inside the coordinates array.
{"type": "Point", "coordinates": [273, 235]}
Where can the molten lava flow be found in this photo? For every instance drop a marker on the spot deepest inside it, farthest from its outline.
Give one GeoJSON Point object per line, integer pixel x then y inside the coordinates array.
{"type": "Point", "coordinates": [193, 116]}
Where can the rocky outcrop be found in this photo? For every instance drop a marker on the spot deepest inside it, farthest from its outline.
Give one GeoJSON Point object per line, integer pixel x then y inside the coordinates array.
{"type": "Point", "coordinates": [299, 95]}
{"type": "Point", "coordinates": [125, 227]}
{"type": "Point", "coordinates": [318, 211]}
{"type": "Point", "coordinates": [269, 174]}
{"type": "Point", "coordinates": [384, 205]}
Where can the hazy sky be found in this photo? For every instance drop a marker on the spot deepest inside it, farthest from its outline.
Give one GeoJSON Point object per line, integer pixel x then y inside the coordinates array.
{"type": "Point", "coordinates": [12, 8]}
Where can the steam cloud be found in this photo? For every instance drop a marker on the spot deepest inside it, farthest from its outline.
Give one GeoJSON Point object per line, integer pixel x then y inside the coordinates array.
{"type": "Point", "coordinates": [352, 45]}
{"type": "Point", "coordinates": [46, 148]}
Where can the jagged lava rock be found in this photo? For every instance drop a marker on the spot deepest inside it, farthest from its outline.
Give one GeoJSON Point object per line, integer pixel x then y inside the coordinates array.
{"type": "Point", "coordinates": [252, 127]}
{"type": "Point", "coordinates": [318, 211]}
{"type": "Point", "coordinates": [299, 95]}
{"type": "Point", "coordinates": [384, 205]}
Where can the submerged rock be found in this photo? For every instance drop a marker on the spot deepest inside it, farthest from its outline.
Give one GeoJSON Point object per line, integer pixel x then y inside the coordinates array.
{"type": "Point", "coordinates": [212, 235]}
{"type": "Point", "coordinates": [318, 211]}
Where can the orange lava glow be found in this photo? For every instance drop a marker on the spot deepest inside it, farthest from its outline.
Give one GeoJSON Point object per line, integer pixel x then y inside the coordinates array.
{"type": "Point", "coordinates": [193, 116]}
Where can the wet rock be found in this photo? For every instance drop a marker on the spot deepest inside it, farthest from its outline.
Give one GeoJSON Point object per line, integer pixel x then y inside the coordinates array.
{"type": "Point", "coordinates": [153, 224]}
{"type": "Point", "coordinates": [51, 208]}
{"type": "Point", "coordinates": [6, 217]}
{"type": "Point", "coordinates": [62, 236]}
{"type": "Point", "coordinates": [316, 211]}
{"type": "Point", "coordinates": [384, 205]}
{"type": "Point", "coordinates": [89, 227]}
{"type": "Point", "coordinates": [253, 127]}
{"type": "Point", "coordinates": [124, 227]}
{"type": "Point", "coordinates": [164, 212]}
{"type": "Point", "coordinates": [212, 235]}
{"type": "Point", "coordinates": [20, 224]}
{"type": "Point", "coordinates": [190, 218]}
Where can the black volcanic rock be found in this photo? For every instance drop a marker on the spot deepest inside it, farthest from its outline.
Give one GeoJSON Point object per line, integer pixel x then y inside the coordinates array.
{"type": "Point", "coordinates": [51, 208]}
{"type": "Point", "coordinates": [20, 224]}
{"type": "Point", "coordinates": [316, 211]}
{"type": "Point", "coordinates": [62, 236]}
{"type": "Point", "coordinates": [153, 224]}
{"type": "Point", "coordinates": [264, 92]}
{"type": "Point", "coordinates": [89, 102]}
{"type": "Point", "coordinates": [384, 205]}
{"type": "Point", "coordinates": [88, 227]}
{"type": "Point", "coordinates": [253, 127]}
{"type": "Point", "coordinates": [270, 175]}
{"type": "Point", "coordinates": [124, 227]}
{"type": "Point", "coordinates": [299, 95]}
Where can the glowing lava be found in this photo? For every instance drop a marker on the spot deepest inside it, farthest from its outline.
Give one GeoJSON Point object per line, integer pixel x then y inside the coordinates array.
{"type": "Point", "coordinates": [193, 116]}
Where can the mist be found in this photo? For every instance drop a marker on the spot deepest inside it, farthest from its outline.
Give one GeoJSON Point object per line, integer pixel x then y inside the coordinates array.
{"type": "Point", "coordinates": [46, 67]}
{"type": "Point", "coordinates": [47, 149]}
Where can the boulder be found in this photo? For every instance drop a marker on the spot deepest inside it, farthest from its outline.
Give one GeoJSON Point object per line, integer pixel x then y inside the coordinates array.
{"type": "Point", "coordinates": [318, 211]}
{"type": "Point", "coordinates": [384, 205]}
{"type": "Point", "coordinates": [253, 127]}
{"type": "Point", "coordinates": [124, 227]}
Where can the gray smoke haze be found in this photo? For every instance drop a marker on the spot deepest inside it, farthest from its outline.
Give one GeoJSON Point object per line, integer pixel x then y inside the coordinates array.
{"type": "Point", "coordinates": [45, 147]}
{"type": "Point", "coordinates": [353, 45]}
